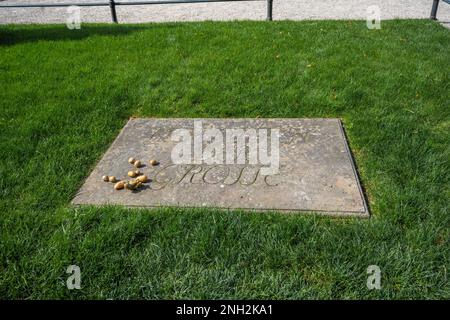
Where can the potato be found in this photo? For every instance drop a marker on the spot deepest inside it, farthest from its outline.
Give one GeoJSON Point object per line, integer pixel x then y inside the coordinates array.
{"type": "Point", "coordinates": [142, 179]}
{"type": "Point", "coordinates": [132, 160]}
{"type": "Point", "coordinates": [154, 162]}
{"type": "Point", "coordinates": [112, 179]}
{"type": "Point", "coordinates": [105, 178]}
{"type": "Point", "coordinates": [119, 185]}
{"type": "Point", "coordinates": [137, 164]}
{"type": "Point", "coordinates": [131, 185]}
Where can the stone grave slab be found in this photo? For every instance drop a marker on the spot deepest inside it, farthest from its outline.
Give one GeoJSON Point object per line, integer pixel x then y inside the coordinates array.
{"type": "Point", "coordinates": [314, 170]}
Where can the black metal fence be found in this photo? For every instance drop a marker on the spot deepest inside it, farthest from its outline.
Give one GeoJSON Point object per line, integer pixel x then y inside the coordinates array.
{"type": "Point", "coordinates": [113, 3]}
{"type": "Point", "coordinates": [434, 9]}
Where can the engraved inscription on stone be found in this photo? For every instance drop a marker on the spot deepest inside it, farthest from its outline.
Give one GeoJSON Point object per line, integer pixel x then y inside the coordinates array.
{"type": "Point", "coordinates": [296, 165]}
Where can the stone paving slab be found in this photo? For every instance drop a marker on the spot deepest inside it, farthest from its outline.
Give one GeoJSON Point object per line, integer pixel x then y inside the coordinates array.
{"type": "Point", "coordinates": [252, 10]}
{"type": "Point", "coordinates": [315, 172]}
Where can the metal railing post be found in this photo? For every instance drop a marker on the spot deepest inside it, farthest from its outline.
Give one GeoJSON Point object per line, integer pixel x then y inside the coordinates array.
{"type": "Point", "coordinates": [269, 10]}
{"type": "Point", "coordinates": [434, 9]}
{"type": "Point", "coordinates": [112, 5]}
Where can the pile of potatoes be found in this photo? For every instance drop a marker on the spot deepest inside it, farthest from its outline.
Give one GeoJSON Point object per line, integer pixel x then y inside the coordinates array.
{"type": "Point", "coordinates": [138, 177]}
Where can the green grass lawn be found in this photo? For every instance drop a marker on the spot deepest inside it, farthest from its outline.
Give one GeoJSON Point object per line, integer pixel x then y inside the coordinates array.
{"type": "Point", "coordinates": [66, 94]}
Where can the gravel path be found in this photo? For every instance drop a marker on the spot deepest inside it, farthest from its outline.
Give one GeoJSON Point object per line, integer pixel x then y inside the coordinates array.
{"type": "Point", "coordinates": [283, 9]}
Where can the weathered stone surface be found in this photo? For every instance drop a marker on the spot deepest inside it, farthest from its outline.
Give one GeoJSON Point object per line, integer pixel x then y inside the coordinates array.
{"type": "Point", "coordinates": [316, 171]}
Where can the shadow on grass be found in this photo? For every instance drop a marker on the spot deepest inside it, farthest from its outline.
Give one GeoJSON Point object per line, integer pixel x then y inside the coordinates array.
{"type": "Point", "coordinates": [12, 35]}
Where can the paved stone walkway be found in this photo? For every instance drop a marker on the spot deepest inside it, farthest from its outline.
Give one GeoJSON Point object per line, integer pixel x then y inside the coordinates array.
{"type": "Point", "coordinates": [283, 9]}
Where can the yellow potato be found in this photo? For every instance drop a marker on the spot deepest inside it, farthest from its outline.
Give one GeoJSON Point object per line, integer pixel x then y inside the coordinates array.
{"type": "Point", "coordinates": [112, 179]}
{"type": "Point", "coordinates": [137, 164]}
{"type": "Point", "coordinates": [105, 178]}
{"type": "Point", "coordinates": [154, 162]}
{"type": "Point", "coordinates": [119, 185]}
{"type": "Point", "coordinates": [131, 185]}
{"type": "Point", "coordinates": [142, 178]}
{"type": "Point", "coordinates": [132, 160]}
